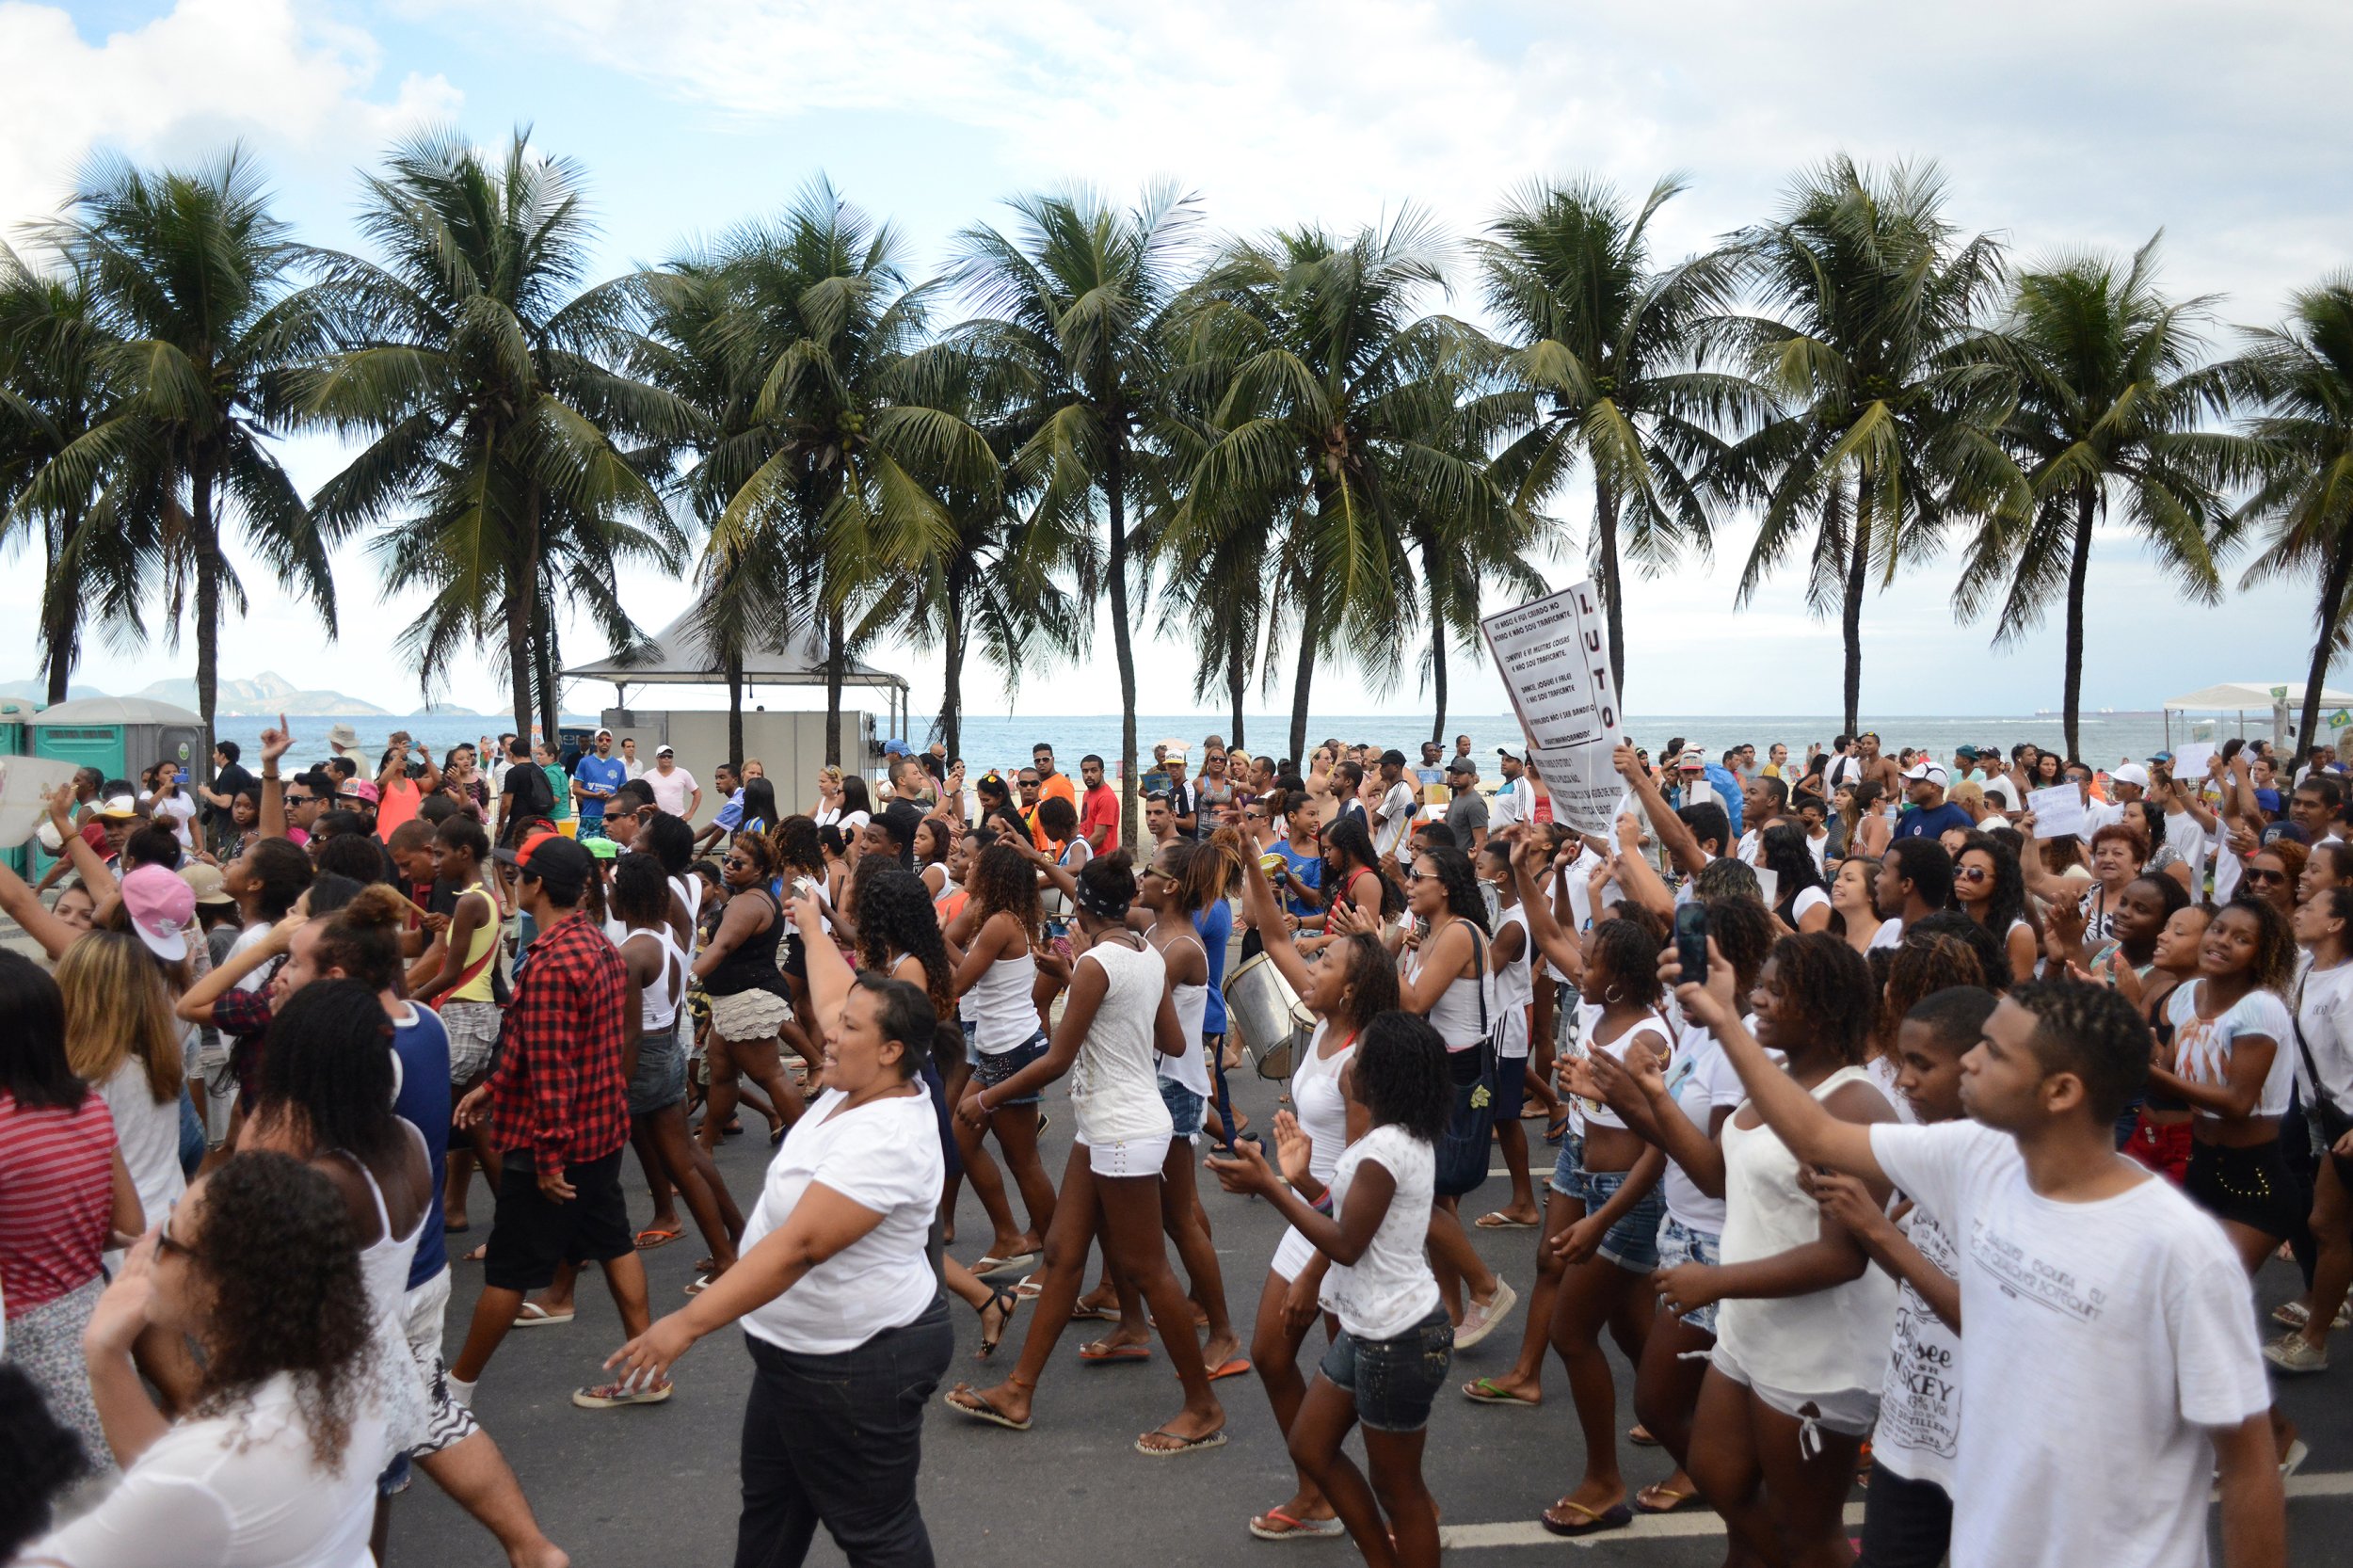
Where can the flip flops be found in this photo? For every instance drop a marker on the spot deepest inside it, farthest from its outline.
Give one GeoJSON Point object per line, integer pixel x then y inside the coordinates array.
{"type": "Point", "coordinates": [984, 1266]}
{"type": "Point", "coordinates": [1184, 1445]}
{"type": "Point", "coordinates": [1233, 1368]}
{"type": "Point", "coordinates": [1488, 1391]}
{"type": "Point", "coordinates": [1103, 1352]}
{"type": "Point", "coordinates": [1498, 1220]}
{"type": "Point", "coordinates": [1649, 1499]}
{"type": "Point", "coordinates": [652, 1237]}
{"type": "Point", "coordinates": [1278, 1525]}
{"type": "Point", "coordinates": [1571, 1518]}
{"type": "Point", "coordinates": [980, 1409]}
{"type": "Point", "coordinates": [532, 1315]}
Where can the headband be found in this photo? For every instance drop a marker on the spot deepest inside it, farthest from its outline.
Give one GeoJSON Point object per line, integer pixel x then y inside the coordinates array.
{"type": "Point", "coordinates": [1100, 905]}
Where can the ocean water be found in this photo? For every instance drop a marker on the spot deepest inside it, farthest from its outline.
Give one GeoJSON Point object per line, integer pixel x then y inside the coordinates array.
{"type": "Point", "coordinates": [1000, 740]}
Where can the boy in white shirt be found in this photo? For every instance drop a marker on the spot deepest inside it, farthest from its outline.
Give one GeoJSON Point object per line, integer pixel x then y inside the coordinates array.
{"type": "Point", "coordinates": [2121, 1371]}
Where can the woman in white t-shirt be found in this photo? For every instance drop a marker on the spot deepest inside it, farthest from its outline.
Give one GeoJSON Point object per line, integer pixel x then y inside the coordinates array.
{"type": "Point", "coordinates": [2234, 1063]}
{"type": "Point", "coordinates": [1390, 1356]}
{"type": "Point", "coordinates": [1854, 914]}
{"type": "Point", "coordinates": [1116, 1020]}
{"type": "Point", "coordinates": [123, 1039]}
{"type": "Point", "coordinates": [2324, 1071]}
{"type": "Point", "coordinates": [834, 1287]}
{"type": "Point", "coordinates": [1792, 1388]}
{"type": "Point", "coordinates": [171, 806]}
{"type": "Point", "coordinates": [257, 1267]}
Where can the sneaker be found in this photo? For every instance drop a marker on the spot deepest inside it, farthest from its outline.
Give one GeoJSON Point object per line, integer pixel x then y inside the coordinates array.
{"type": "Point", "coordinates": [611, 1396]}
{"type": "Point", "coordinates": [1480, 1320]}
{"type": "Point", "coordinates": [2292, 1352]}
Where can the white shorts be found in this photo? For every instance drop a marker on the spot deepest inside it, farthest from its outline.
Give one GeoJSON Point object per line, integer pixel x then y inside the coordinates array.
{"type": "Point", "coordinates": [1128, 1157]}
{"type": "Point", "coordinates": [447, 1422]}
{"type": "Point", "coordinates": [1849, 1411]}
{"type": "Point", "coordinates": [1292, 1254]}
{"type": "Point", "coordinates": [749, 1016]}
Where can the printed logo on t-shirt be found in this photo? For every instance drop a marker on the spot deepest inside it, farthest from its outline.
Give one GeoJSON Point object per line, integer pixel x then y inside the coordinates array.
{"type": "Point", "coordinates": [1920, 1405]}
{"type": "Point", "coordinates": [2033, 1279]}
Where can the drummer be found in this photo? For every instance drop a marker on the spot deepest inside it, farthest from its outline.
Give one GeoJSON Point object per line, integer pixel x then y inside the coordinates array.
{"type": "Point", "coordinates": [1346, 986]}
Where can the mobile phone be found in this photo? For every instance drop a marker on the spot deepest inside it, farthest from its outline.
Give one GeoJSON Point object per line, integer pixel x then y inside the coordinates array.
{"type": "Point", "coordinates": [1692, 943]}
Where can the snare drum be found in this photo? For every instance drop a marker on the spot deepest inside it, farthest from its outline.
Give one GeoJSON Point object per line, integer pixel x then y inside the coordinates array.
{"type": "Point", "coordinates": [1266, 1015]}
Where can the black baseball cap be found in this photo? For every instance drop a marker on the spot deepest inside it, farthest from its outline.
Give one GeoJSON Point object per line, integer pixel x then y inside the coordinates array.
{"type": "Point", "coordinates": [551, 857]}
{"type": "Point", "coordinates": [1392, 758]}
{"type": "Point", "coordinates": [1462, 765]}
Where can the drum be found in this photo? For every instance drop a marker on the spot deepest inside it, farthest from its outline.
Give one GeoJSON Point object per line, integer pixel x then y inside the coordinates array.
{"type": "Point", "coordinates": [1266, 1015]}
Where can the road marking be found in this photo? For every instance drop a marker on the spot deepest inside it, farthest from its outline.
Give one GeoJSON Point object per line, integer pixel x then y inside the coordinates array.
{"type": "Point", "coordinates": [1669, 1527]}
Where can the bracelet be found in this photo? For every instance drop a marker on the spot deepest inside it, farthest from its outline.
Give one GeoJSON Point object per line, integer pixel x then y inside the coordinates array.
{"type": "Point", "coordinates": [1324, 1205]}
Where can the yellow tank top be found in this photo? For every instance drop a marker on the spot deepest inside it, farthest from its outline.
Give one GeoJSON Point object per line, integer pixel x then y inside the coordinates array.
{"type": "Point", "coordinates": [485, 937]}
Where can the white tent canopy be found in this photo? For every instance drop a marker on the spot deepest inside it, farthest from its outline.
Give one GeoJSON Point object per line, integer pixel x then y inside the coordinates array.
{"type": "Point", "coordinates": [681, 655]}
{"type": "Point", "coordinates": [2251, 697]}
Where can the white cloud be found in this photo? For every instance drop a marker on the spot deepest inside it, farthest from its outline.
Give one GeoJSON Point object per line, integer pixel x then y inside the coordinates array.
{"type": "Point", "coordinates": [184, 85]}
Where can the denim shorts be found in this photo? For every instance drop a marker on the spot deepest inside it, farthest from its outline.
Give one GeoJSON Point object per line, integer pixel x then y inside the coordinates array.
{"type": "Point", "coordinates": [1393, 1380]}
{"type": "Point", "coordinates": [994, 1068]}
{"type": "Point", "coordinates": [1633, 1241]}
{"type": "Point", "coordinates": [660, 1077]}
{"type": "Point", "coordinates": [1678, 1245]}
{"type": "Point", "coordinates": [1185, 1108]}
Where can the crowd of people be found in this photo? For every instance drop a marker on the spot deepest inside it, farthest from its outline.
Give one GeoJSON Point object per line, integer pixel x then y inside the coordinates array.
{"type": "Point", "coordinates": [1894, 1134]}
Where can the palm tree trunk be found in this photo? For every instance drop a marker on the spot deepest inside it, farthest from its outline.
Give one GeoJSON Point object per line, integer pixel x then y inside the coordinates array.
{"type": "Point", "coordinates": [1305, 678]}
{"type": "Point", "coordinates": [1851, 607]}
{"type": "Point", "coordinates": [522, 599]}
{"type": "Point", "coordinates": [735, 707]}
{"type": "Point", "coordinates": [208, 574]}
{"type": "Point", "coordinates": [1437, 673]}
{"type": "Point", "coordinates": [836, 662]}
{"type": "Point", "coordinates": [543, 665]}
{"type": "Point", "coordinates": [2078, 566]}
{"type": "Point", "coordinates": [1606, 546]}
{"type": "Point", "coordinates": [952, 662]}
{"type": "Point", "coordinates": [1237, 678]}
{"type": "Point", "coordinates": [2324, 645]}
{"type": "Point", "coordinates": [60, 603]}
{"type": "Point", "coordinates": [1115, 501]}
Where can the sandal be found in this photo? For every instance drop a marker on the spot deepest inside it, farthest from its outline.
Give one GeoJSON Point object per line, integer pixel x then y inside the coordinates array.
{"type": "Point", "coordinates": [1557, 1129]}
{"type": "Point", "coordinates": [1006, 1302]}
{"type": "Point", "coordinates": [1498, 1220]}
{"type": "Point", "coordinates": [532, 1315]}
{"type": "Point", "coordinates": [1278, 1525]}
{"type": "Point", "coordinates": [980, 1409]}
{"type": "Point", "coordinates": [655, 1236]}
{"type": "Point", "coordinates": [1488, 1391]}
{"type": "Point", "coordinates": [1183, 1445]}
{"type": "Point", "coordinates": [1617, 1516]}
{"type": "Point", "coordinates": [1101, 1352]}
{"type": "Point", "coordinates": [1659, 1497]}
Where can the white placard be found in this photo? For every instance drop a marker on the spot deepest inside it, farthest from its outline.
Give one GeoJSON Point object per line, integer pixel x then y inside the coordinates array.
{"type": "Point", "coordinates": [2058, 812]}
{"type": "Point", "coordinates": [2190, 761]}
{"type": "Point", "coordinates": [23, 780]}
{"type": "Point", "coordinates": [1554, 657]}
{"type": "Point", "coordinates": [1768, 884]}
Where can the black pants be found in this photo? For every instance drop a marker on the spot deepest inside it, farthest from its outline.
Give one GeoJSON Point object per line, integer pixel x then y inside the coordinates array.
{"type": "Point", "coordinates": [839, 1438]}
{"type": "Point", "coordinates": [1906, 1524]}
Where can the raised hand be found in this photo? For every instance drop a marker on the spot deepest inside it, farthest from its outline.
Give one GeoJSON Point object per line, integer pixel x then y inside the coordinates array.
{"type": "Point", "coordinates": [1292, 1146]}
{"type": "Point", "coordinates": [276, 742]}
{"type": "Point", "coordinates": [1710, 1006]}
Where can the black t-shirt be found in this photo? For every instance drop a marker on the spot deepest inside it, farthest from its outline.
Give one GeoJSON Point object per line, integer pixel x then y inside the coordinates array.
{"type": "Point", "coordinates": [527, 794]}
{"type": "Point", "coordinates": [232, 781]}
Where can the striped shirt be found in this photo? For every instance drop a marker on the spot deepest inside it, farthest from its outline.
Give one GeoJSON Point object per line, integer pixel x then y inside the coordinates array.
{"type": "Point", "coordinates": [56, 1197]}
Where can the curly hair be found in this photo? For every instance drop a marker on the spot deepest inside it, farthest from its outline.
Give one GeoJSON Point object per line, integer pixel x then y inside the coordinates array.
{"type": "Point", "coordinates": [895, 917]}
{"type": "Point", "coordinates": [1726, 877]}
{"type": "Point", "coordinates": [362, 939]}
{"type": "Point", "coordinates": [762, 850]}
{"type": "Point", "coordinates": [1371, 973]}
{"type": "Point", "coordinates": [356, 854]}
{"type": "Point", "coordinates": [1920, 967]}
{"type": "Point", "coordinates": [641, 892]}
{"type": "Point", "coordinates": [280, 1267]}
{"type": "Point", "coordinates": [329, 1063]}
{"type": "Point", "coordinates": [1830, 987]}
{"type": "Point", "coordinates": [1991, 946]}
{"type": "Point", "coordinates": [1001, 881]}
{"type": "Point", "coordinates": [1400, 1075]}
{"type": "Point", "coordinates": [1744, 933]}
{"type": "Point", "coordinates": [794, 843]}
{"type": "Point", "coordinates": [2093, 1032]}
{"type": "Point", "coordinates": [2275, 941]}
{"type": "Point", "coordinates": [2006, 903]}
{"type": "Point", "coordinates": [1459, 883]}
{"type": "Point", "coordinates": [38, 1458]}
{"type": "Point", "coordinates": [1623, 953]}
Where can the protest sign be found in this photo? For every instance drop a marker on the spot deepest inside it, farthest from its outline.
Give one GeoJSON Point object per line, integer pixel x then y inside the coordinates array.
{"type": "Point", "coordinates": [1553, 659]}
{"type": "Point", "coordinates": [2058, 812]}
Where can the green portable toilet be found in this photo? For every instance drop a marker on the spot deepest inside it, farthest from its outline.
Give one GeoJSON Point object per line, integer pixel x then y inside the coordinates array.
{"type": "Point", "coordinates": [120, 736]}
{"type": "Point", "coordinates": [15, 714]}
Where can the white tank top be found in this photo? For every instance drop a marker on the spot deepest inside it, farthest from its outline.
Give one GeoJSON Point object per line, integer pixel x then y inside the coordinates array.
{"type": "Point", "coordinates": [658, 1005]}
{"type": "Point", "coordinates": [1115, 1086]}
{"type": "Point", "coordinates": [1457, 1014]}
{"type": "Point", "coordinates": [1002, 1013]}
{"type": "Point", "coordinates": [689, 888]}
{"type": "Point", "coordinates": [1824, 1343]}
{"type": "Point", "coordinates": [1193, 1010]}
{"type": "Point", "coordinates": [1319, 1105]}
{"type": "Point", "coordinates": [384, 1274]}
{"type": "Point", "coordinates": [1597, 1112]}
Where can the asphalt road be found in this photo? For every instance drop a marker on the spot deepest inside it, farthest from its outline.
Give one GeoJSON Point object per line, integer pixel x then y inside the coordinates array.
{"type": "Point", "coordinates": [658, 1484]}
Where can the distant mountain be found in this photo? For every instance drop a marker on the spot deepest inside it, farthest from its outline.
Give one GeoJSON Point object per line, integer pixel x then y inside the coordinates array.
{"type": "Point", "coordinates": [265, 695]}
{"type": "Point", "coordinates": [38, 691]}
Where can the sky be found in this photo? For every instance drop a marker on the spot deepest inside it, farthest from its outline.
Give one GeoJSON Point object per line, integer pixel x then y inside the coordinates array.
{"type": "Point", "coordinates": [2061, 128]}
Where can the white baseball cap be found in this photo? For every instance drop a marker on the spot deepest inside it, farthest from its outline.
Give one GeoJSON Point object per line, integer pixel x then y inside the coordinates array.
{"type": "Point", "coordinates": [2129, 772]}
{"type": "Point", "coordinates": [1932, 771]}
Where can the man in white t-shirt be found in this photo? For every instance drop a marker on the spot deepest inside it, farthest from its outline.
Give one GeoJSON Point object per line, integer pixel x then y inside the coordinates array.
{"type": "Point", "coordinates": [1516, 797]}
{"type": "Point", "coordinates": [1395, 815]}
{"type": "Point", "coordinates": [2109, 1367]}
{"type": "Point", "coordinates": [674, 789]}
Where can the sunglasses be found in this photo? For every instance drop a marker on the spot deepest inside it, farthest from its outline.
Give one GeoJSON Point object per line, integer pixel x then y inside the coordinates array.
{"type": "Point", "coordinates": [1419, 875]}
{"type": "Point", "coordinates": [1973, 873]}
{"type": "Point", "coordinates": [2254, 876]}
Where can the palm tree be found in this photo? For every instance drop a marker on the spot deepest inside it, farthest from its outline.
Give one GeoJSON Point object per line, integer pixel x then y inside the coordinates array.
{"type": "Point", "coordinates": [1884, 440]}
{"type": "Point", "coordinates": [486, 378]}
{"type": "Point", "coordinates": [2111, 396]}
{"type": "Point", "coordinates": [825, 311]}
{"type": "Point", "coordinates": [1608, 348]}
{"type": "Point", "coordinates": [1339, 411]}
{"type": "Point", "coordinates": [1072, 310]}
{"type": "Point", "coordinates": [2301, 374]}
{"type": "Point", "coordinates": [189, 274]}
{"type": "Point", "coordinates": [54, 389]}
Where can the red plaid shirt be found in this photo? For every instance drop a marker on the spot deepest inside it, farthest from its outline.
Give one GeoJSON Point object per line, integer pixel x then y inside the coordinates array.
{"type": "Point", "coordinates": [558, 1090]}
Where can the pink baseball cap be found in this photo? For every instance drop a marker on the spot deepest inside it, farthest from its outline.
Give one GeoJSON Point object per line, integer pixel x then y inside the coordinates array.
{"type": "Point", "coordinates": [159, 905]}
{"type": "Point", "coordinates": [361, 789]}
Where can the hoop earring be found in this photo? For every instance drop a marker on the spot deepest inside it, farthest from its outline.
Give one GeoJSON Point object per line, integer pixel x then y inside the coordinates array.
{"type": "Point", "coordinates": [1610, 995]}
